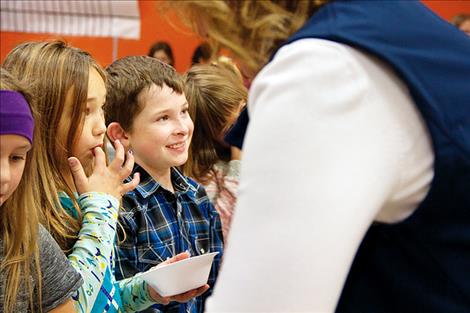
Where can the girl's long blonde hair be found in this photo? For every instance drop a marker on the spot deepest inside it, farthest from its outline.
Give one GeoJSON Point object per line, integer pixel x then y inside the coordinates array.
{"type": "Point", "coordinates": [251, 29]}
{"type": "Point", "coordinates": [59, 75]}
{"type": "Point", "coordinates": [215, 95]}
{"type": "Point", "coordinates": [19, 226]}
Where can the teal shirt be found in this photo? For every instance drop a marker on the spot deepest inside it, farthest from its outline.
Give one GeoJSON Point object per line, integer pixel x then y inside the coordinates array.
{"type": "Point", "coordinates": [93, 257]}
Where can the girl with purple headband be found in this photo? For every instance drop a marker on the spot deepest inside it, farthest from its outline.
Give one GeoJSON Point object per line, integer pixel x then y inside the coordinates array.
{"type": "Point", "coordinates": [79, 193]}
{"type": "Point", "coordinates": [35, 276]}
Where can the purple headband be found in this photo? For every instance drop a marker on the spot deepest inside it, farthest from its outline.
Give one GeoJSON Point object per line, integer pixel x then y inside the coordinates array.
{"type": "Point", "coordinates": [15, 115]}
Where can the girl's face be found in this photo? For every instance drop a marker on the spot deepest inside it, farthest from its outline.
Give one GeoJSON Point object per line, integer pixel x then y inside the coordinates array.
{"type": "Point", "coordinates": [93, 131]}
{"type": "Point", "coordinates": [14, 149]}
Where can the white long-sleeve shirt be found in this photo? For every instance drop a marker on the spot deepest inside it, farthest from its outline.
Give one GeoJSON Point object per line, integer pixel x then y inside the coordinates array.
{"type": "Point", "coordinates": [335, 142]}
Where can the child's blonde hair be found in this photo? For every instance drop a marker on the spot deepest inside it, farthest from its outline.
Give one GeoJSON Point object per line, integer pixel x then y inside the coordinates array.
{"type": "Point", "coordinates": [59, 74]}
{"type": "Point", "coordinates": [251, 29]}
{"type": "Point", "coordinates": [215, 96]}
{"type": "Point", "coordinates": [19, 225]}
{"type": "Point", "coordinates": [228, 64]}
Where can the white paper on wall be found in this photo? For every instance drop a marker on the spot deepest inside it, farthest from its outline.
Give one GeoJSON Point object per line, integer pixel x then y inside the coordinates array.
{"type": "Point", "coordinates": [97, 18]}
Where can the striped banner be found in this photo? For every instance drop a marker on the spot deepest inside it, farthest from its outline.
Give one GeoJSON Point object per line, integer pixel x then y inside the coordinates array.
{"type": "Point", "coordinates": [97, 18]}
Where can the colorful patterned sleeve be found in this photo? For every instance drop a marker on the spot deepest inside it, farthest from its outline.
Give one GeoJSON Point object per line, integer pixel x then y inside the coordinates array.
{"type": "Point", "coordinates": [227, 198]}
{"type": "Point", "coordinates": [233, 171]}
{"type": "Point", "coordinates": [134, 294]}
{"type": "Point", "coordinates": [91, 254]}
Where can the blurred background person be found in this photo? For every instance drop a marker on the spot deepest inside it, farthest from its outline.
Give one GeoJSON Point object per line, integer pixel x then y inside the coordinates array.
{"type": "Point", "coordinates": [162, 51]}
{"type": "Point", "coordinates": [202, 54]}
{"type": "Point", "coordinates": [462, 21]}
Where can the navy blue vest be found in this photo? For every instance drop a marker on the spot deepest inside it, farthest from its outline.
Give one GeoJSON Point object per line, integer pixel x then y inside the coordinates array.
{"type": "Point", "coordinates": [423, 263]}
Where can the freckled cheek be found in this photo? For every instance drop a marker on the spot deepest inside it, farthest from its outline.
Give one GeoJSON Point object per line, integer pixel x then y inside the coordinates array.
{"type": "Point", "coordinates": [84, 138]}
{"type": "Point", "coordinates": [159, 140]}
{"type": "Point", "coordinates": [80, 146]}
{"type": "Point", "coordinates": [15, 184]}
{"type": "Point", "coordinates": [17, 174]}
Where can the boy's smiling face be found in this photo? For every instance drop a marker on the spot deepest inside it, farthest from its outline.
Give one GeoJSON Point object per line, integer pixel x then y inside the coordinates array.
{"type": "Point", "coordinates": [162, 131]}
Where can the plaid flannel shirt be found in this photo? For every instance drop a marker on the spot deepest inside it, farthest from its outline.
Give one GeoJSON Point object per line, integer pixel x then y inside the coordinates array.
{"type": "Point", "coordinates": [160, 224]}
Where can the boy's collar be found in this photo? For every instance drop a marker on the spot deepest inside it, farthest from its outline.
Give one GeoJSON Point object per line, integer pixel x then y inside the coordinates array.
{"type": "Point", "coordinates": [148, 185]}
{"type": "Point", "coordinates": [180, 182]}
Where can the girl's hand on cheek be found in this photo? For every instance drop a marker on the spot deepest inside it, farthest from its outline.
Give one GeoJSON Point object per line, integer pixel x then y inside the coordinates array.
{"type": "Point", "coordinates": [106, 179]}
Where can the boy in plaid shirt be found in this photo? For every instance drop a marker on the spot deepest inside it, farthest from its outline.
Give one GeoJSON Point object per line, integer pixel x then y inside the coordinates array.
{"type": "Point", "coordinates": [167, 213]}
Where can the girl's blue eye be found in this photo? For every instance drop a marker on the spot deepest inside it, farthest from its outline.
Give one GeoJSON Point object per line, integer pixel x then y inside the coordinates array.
{"type": "Point", "coordinates": [17, 158]}
{"type": "Point", "coordinates": [163, 118]}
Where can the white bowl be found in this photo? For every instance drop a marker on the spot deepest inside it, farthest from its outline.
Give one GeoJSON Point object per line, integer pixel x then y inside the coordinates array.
{"type": "Point", "coordinates": [179, 277]}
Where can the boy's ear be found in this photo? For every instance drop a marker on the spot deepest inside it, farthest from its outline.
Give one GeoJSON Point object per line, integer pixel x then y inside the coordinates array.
{"type": "Point", "coordinates": [115, 131]}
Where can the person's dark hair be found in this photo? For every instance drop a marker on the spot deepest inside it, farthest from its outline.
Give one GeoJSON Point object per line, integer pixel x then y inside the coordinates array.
{"type": "Point", "coordinates": [204, 52]}
{"type": "Point", "coordinates": [165, 46]}
{"type": "Point", "coordinates": [459, 19]}
{"type": "Point", "coordinates": [127, 78]}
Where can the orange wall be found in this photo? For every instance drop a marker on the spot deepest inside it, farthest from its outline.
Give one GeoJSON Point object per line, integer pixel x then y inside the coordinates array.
{"type": "Point", "coordinates": [448, 8]}
{"type": "Point", "coordinates": [154, 27]}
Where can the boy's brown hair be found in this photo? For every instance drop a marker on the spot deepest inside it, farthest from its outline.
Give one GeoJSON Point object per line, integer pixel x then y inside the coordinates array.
{"type": "Point", "coordinates": [127, 78]}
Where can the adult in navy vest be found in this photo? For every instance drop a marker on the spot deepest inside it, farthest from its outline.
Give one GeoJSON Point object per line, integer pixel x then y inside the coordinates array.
{"type": "Point", "coordinates": [355, 187]}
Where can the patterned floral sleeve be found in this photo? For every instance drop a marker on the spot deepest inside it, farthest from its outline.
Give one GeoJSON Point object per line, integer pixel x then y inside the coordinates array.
{"type": "Point", "coordinates": [225, 205]}
{"type": "Point", "coordinates": [134, 294]}
{"type": "Point", "coordinates": [91, 254]}
{"type": "Point", "coordinates": [222, 191]}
